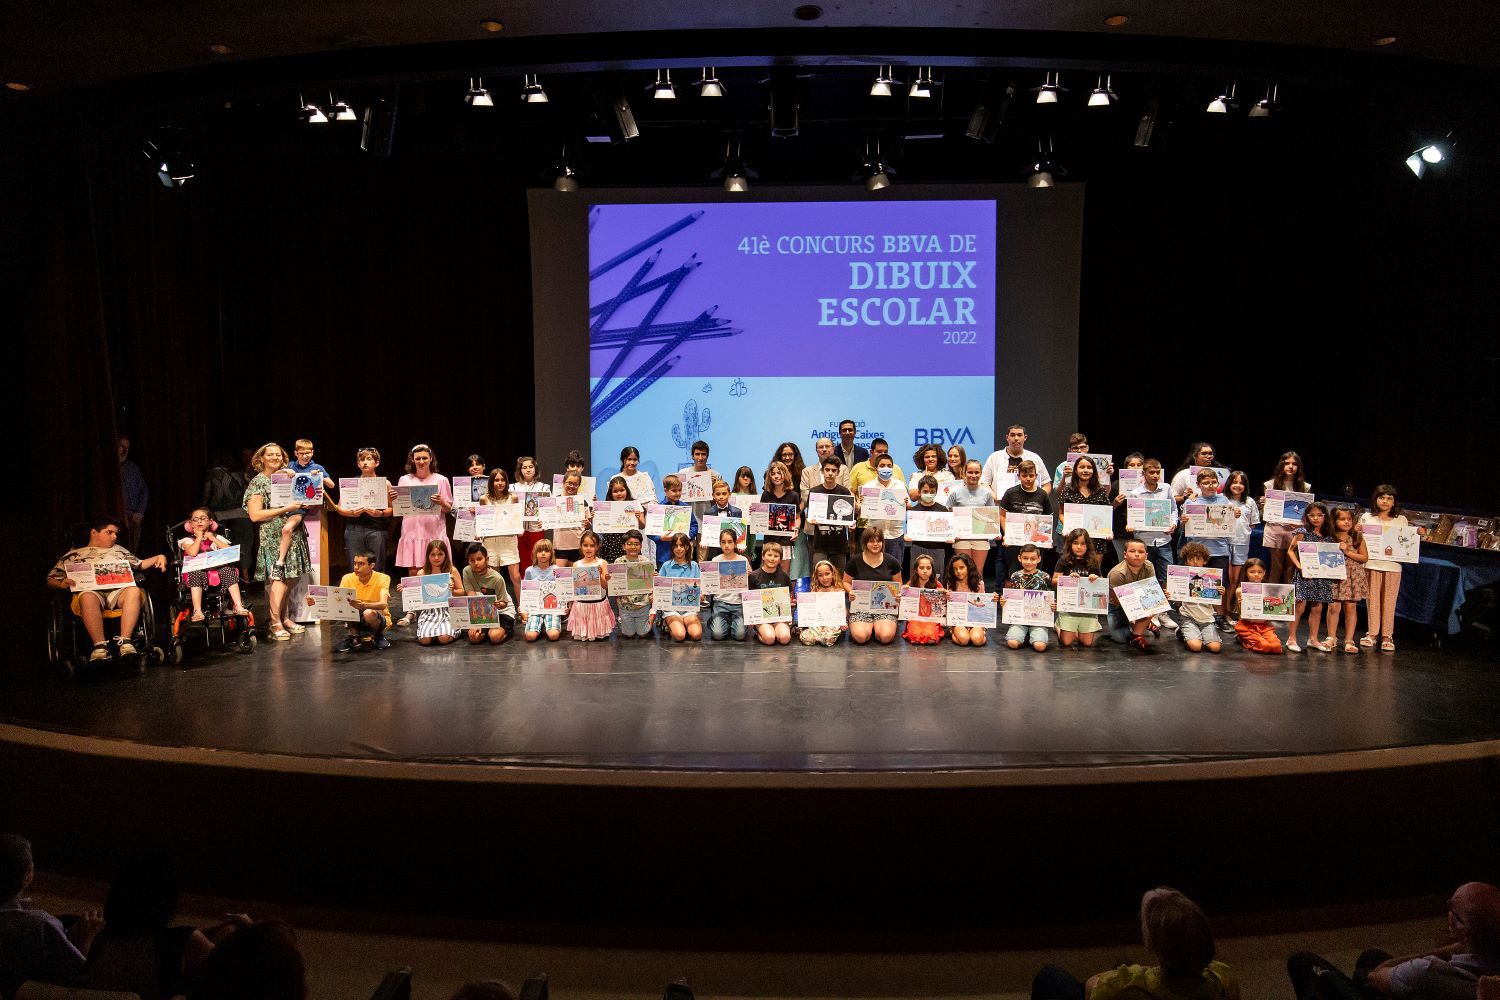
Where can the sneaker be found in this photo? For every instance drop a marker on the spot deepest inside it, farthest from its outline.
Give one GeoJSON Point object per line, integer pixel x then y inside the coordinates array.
{"type": "Point", "coordinates": [1220, 623]}
{"type": "Point", "coordinates": [99, 652]}
{"type": "Point", "coordinates": [382, 643]}
{"type": "Point", "coordinates": [1165, 620]}
{"type": "Point", "coordinates": [346, 646]}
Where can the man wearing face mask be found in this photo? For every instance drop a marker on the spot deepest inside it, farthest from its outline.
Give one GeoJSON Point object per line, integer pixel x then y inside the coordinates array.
{"type": "Point", "coordinates": [867, 473]}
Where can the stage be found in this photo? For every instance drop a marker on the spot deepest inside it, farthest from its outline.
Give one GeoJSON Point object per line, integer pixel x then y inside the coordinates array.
{"type": "Point", "coordinates": [565, 770]}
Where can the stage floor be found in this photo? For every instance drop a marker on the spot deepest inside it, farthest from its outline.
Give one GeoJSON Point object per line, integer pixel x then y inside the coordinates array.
{"type": "Point", "coordinates": [654, 706]}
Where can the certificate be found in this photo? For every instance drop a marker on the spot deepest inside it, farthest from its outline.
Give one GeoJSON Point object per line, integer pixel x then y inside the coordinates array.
{"type": "Point", "coordinates": [498, 519]}
{"type": "Point", "coordinates": [1275, 602]}
{"type": "Point", "coordinates": [588, 582]}
{"type": "Point", "coordinates": [919, 604]}
{"type": "Point", "coordinates": [1286, 506]}
{"type": "Point", "coordinates": [412, 500]}
{"type": "Point", "coordinates": [976, 523]}
{"type": "Point", "coordinates": [1208, 520]}
{"type": "Point", "coordinates": [1032, 608]}
{"type": "Point", "coordinates": [1130, 480]}
{"type": "Point", "coordinates": [683, 595]}
{"type": "Point", "coordinates": [1077, 595]}
{"type": "Point", "coordinates": [565, 512]}
{"type": "Point", "coordinates": [305, 489]}
{"type": "Point", "coordinates": [221, 557]}
{"type": "Point", "coordinates": [833, 509]}
{"type": "Point", "coordinates": [1005, 480]}
{"type": "Point", "coordinates": [1028, 529]}
{"type": "Point", "coordinates": [1101, 464]}
{"type": "Point", "coordinates": [714, 524]}
{"type": "Point", "coordinates": [615, 517]}
{"type": "Point", "coordinates": [697, 487]}
{"type": "Point", "coordinates": [463, 524]}
{"type": "Point", "coordinates": [973, 610]}
{"type": "Point", "coordinates": [878, 503]}
{"type": "Point", "coordinates": [1141, 599]}
{"type": "Point", "coordinates": [547, 597]}
{"type": "Point", "coordinates": [875, 597]}
{"type": "Point", "coordinates": [1321, 560]}
{"type": "Point", "coordinates": [822, 609]}
{"type": "Point", "coordinates": [530, 495]}
{"type": "Point", "coordinates": [725, 576]}
{"type": "Point", "coordinates": [1095, 518]}
{"type": "Point", "coordinates": [364, 492]}
{"type": "Point", "coordinates": [768, 606]}
{"type": "Point", "coordinates": [1396, 542]}
{"type": "Point", "coordinates": [929, 526]}
{"type": "Point", "coordinates": [742, 501]}
{"type": "Point", "coordinates": [103, 574]}
{"type": "Point", "coordinates": [418, 593]}
{"type": "Point", "coordinates": [1195, 584]}
{"type": "Point", "coordinates": [631, 579]}
{"type": "Point", "coordinates": [1148, 513]}
{"type": "Point", "coordinates": [774, 520]}
{"type": "Point", "coordinates": [475, 611]}
{"type": "Point", "coordinates": [332, 604]}
{"type": "Point", "coordinates": [465, 493]}
{"type": "Point", "coordinates": [587, 487]}
{"type": "Point", "coordinates": [666, 520]}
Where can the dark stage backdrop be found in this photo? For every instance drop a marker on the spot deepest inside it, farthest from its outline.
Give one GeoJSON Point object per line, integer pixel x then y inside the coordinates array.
{"type": "Point", "coordinates": [1349, 313]}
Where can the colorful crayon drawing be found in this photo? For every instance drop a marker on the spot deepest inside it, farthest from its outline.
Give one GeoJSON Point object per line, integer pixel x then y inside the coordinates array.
{"type": "Point", "coordinates": [776, 602]}
{"type": "Point", "coordinates": [676, 521]}
{"type": "Point", "coordinates": [734, 574]}
{"type": "Point", "coordinates": [587, 582]}
{"type": "Point", "coordinates": [933, 604]}
{"type": "Point", "coordinates": [686, 593]}
{"type": "Point", "coordinates": [109, 575]}
{"type": "Point", "coordinates": [884, 597]}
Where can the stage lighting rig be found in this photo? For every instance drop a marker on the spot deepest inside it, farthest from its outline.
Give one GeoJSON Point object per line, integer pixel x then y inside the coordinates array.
{"type": "Point", "coordinates": [1045, 171]}
{"type": "Point", "coordinates": [165, 150]}
{"type": "Point", "coordinates": [1103, 95]}
{"type": "Point", "coordinates": [709, 85]}
{"type": "Point", "coordinates": [662, 89]}
{"type": "Point", "coordinates": [989, 112]}
{"type": "Point", "coordinates": [885, 80]}
{"type": "Point", "coordinates": [478, 96]}
{"type": "Point", "coordinates": [1263, 107]}
{"type": "Point", "coordinates": [1051, 90]}
{"type": "Point", "coordinates": [531, 89]}
{"type": "Point", "coordinates": [1430, 155]}
{"type": "Point", "coordinates": [1220, 105]}
{"type": "Point", "coordinates": [311, 113]}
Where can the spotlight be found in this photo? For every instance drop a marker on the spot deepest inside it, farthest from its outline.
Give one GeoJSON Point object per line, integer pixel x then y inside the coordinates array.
{"type": "Point", "coordinates": [1220, 105]}
{"type": "Point", "coordinates": [1416, 165]}
{"type": "Point", "coordinates": [531, 89]}
{"type": "Point", "coordinates": [1267, 104]}
{"type": "Point", "coordinates": [662, 89]}
{"type": "Point", "coordinates": [922, 85]}
{"type": "Point", "coordinates": [1433, 154]}
{"type": "Point", "coordinates": [612, 121]}
{"type": "Point", "coordinates": [311, 113]}
{"type": "Point", "coordinates": [1045, 171]}
{"type": "Point", "coordinates": [478, 97]}
{"type": "Point", "coordinates": [1103, 96]}
{"type": "Point", "coordinates": [709, 85]}
{"type": "Point", "coordinates": [785, 106]}
{"type": "Point", "coordinates": [885, 79]}
{"type": "Point", "coordinates": [341, 111]}
{"type": "Point", "coordinates": [875, 171]}
{"type": "Point", "coordinates": [736, 172]}
{"type": "Point", "coordinates": [565, 171]}
{"type": "Point", "coordinates": [1146, 129]}
{"type": "Point", "coordinates": [1051, 91]}
{"type": "Point", "coordinates": [173, 166]}
{"type": "Point", "coordinates": [1430, 155]}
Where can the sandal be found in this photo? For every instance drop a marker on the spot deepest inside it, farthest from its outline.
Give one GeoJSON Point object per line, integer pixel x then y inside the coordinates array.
{"type": "Point", "coordinates": [240, 612]}
{"type": "Point", "coordinates": [197, 616]}
{"type": "Point", "coordinates": [279, 634]}
{"type": "Point", "coordinates": [1322, 647]}
{"type": "Point", "coordinates": [1387, 646]}
{"type": "Point", "coordinates": [1350, 647]}
{"type": "Point", "coordinates": [1292, 647]}
{"type": "Point", "coordinates": [403, 621]}
{"type": "Point", "coordinates": [1368, 640]}
{"type": "Point", "coordinates": [293, 628]}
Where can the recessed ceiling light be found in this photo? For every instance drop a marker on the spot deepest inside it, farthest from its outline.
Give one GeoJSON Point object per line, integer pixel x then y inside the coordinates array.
{"type": "Point", "coordinates": [1115, 20]}
{"type": "Point", "coordinates": [1384, 41]}
{"type": "Point", "coordinates": [220, 49]}
{"type": "Point", "coordinates": [491, 25]}
{"type": "Point", "coordinates": [18, 87]}
{"type": "Point", "coordinates": [807, 12]}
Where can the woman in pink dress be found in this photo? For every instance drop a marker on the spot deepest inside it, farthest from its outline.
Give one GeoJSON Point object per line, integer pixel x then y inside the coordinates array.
{"type": "Point", "coordinates": [419, 529]}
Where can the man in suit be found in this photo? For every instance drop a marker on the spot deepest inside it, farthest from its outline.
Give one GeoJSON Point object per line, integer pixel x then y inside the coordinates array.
{"type": "Point", "coordinates": [848, 452]}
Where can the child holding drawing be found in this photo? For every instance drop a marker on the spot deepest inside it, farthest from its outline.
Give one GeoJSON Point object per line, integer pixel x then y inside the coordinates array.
{"type": "Point", "coordinates": [923, 577]}
{"type": "Point", "coordinates": [772, 574]}
{"type": "Point", "coordinates": [963, 577]}
{"type": "Point", "coordinates": [1355, 586]}
{"type": "Point", "coordinates": [205, 537]}
{"type": "Point", "coordinates": [634, 610]}
{"type": "Point", "coordinates": [1312, 594]}
{"type": "Point", "coordinates": [1255, 634]}
{"type": "Point", "coordinates": [591, 617]}
{"type": "Point", "coordinates": [681, 626]}
{"type": "Point", "coordinates": [727, 619]}
{"type": "Point", "coordinates": [540, 623]}
{"type": "Point", "coordinates": [419, 530]}
{"type": "Point", "coordinates": [825, 579]}
{"type": "Point", "coordinates": [1078, 559]}
{"type": "Point", "coordinates": [1385, 574]}
{"type": "Point", "coordinates": [1237, 490]}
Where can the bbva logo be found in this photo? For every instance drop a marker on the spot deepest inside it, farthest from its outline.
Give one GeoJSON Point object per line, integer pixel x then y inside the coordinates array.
{"type": "Point", "coordinates": [942, 435]}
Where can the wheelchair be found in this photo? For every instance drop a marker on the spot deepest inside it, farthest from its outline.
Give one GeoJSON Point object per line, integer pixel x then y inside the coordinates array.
{"type": "Point", "coordinates": [219, 630]}
{"type": "Point", "coordinates": [69, 646]}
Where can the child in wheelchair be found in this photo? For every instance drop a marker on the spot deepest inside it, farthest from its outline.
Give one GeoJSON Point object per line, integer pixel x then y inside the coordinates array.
{"type": "Point", "coordinates": [93, 606]}
{"type": "Point", "coordinates": [203, 535]}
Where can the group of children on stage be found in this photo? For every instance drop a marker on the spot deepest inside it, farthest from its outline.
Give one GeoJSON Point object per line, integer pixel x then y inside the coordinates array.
{"type": "Point", "coordinates": [832, 556]}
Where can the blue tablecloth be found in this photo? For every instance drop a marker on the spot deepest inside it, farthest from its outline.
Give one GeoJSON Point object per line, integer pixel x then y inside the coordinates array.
{"type": "Point", "coordinates": [1434, 589]}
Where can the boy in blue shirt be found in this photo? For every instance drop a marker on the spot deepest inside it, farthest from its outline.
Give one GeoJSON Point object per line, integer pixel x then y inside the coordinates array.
{"type": "Point", "coordinates": [1217, 547]}
{"type": "Point", "coordinates": [671, 488]}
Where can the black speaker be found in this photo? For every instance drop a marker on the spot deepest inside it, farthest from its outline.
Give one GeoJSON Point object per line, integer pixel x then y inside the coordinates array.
{"type": "Point", "coordinates": [378, 137]}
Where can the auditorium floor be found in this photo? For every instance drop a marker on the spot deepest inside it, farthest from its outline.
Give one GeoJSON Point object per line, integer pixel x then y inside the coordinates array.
{"type": "Point", "coordinates": [728, 707]}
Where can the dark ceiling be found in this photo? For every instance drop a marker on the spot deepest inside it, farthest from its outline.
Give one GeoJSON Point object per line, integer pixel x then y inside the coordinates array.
{"type": "Point", "coordinates": [53, 45]}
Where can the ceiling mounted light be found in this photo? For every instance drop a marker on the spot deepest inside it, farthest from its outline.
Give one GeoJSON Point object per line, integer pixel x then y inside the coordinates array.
{"type": "Point", "coordinates": [885, 80]}
{"type": "Point", "coordinates": [531, 89]}
{"type": "Point", "coordinates": [1416, 165]}
{"type": "Point", "coordinates": [1263, 107]}
{"type": "Point", "coordinates": [708, 85]}
{"type": "Point", "coordinates": [662, 89]}
{"type": "Point", "coordinates": [1431, 154]}
{"type": "Point", "coordinates": [736, 172]}
{"type": "Point", "coordinates": [1103, 96]}
{"type": "Point", "coordinates": [1045, 171]}
{"type": "Point", "coordinates": [875, 171]}
{"type": "Point", "coordinates": [491, 25]}
{"type": "Point", "coordinates": [567, 180]}
{"type": "Point", "coordinates": [164, 149]}
{"type": "Point", "coordinates": [311, 113]}
{"type": "Point", "coordinates": [478, 96]}
{"type": "Point", "coordinates": [18, 86]}
{"type": "Point", "coordinates": [1051, 91]}
{"type": "Point", "coordinates": [340, 111]}
{"type": "Point", "coordinates": [1220, 105]}
{"type": "Point", "coordinates": [220, 48]}
{"type": "Point", "coordinates": [922, 85]}
{"type": "Point", "coordinates": [1115, 20]}
{"type": "Point", "coordinates": [1384, 40]}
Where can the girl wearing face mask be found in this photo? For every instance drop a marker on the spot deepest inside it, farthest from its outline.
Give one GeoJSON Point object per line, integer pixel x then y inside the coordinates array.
{"type": "Point", "coordinates": [938, 552]}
